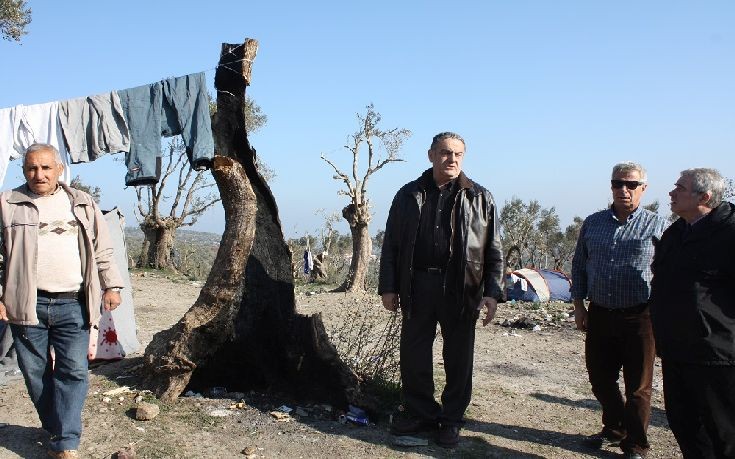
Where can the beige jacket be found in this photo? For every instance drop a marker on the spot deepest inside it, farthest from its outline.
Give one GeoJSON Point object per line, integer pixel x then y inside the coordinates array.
{"type": "Point", "coordinates": [19, 244]}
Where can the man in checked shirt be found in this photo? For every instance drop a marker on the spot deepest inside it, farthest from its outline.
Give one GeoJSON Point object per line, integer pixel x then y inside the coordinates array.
{"type": "Point", "coordinates": [612, 269]}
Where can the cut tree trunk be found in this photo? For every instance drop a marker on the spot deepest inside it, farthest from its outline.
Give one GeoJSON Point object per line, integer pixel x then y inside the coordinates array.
{"type": "Point", "coordinates": [157, 244]}
{"type": "Point", "coordinates": [243, 331]}
{"type": "Point", "coordinates": [361, 245]}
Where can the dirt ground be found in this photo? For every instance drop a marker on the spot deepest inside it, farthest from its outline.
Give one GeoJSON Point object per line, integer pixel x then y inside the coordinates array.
{"type": "Point", "coordinates": [531, 398]}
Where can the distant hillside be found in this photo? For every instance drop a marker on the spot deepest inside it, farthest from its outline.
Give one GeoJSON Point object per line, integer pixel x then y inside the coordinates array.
{"type": "Point", "coordinates": [194, 250]}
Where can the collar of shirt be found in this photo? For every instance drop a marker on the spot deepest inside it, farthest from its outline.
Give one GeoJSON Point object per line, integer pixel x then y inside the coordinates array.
{"type": "Point", "coordinates": [633, 215]}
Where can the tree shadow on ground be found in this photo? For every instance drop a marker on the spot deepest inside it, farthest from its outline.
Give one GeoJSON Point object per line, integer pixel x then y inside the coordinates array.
{"type": "Point", "coordinates": [565, 441]}
{"type": "Point", "coordinates": [469, 446]}
{"type": "Point", "coordinates": [658, 416]}
{"type": "Point", "coordinates": [26, 442]}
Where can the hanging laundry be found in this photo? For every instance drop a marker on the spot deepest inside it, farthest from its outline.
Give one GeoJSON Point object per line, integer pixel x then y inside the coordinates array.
{"type": "Point", "coordinates": [94, 126]}
{"type": "Point", "coordinates": [29, 124]}
{"type": "Point", "coordinates": [308, 261]}
{"type": "Point", "coordinates": [186, 107]}
{"type": "Point", "coordinates": [7, 133]}
{"type": "Point", "coordinates": [170, 107]}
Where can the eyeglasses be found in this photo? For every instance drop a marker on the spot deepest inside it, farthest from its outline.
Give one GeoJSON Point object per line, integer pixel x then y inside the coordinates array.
{"type": "Point", "coordinates": [629, 184]}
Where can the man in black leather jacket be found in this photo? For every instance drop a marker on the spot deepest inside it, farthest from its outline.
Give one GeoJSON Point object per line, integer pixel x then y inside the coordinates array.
{"type": "Point", "coordinates": [693, 315]}
{"type": "Point", "coordinates": [441, 262]}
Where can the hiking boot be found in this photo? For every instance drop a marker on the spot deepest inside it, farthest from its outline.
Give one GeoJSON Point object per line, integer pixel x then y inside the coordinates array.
{"type": "Point", "coordinates": [411, 426]}
{"type": "Point", "coordinates": [601, 440]}
{"type": "Point", "coordinates": [448, 436]}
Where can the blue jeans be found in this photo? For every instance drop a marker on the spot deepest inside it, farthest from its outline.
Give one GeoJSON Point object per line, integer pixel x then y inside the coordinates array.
{"type": "Point", "coordinates": [57, 388]}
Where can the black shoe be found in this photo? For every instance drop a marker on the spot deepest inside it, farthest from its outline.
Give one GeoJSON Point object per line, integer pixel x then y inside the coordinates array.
{"type": "Point", "coordinates": [411, 426]}
{"type": "Point", "coordinates": [448, 436]}
{"type": "Point", "coordinates": [601, 440]}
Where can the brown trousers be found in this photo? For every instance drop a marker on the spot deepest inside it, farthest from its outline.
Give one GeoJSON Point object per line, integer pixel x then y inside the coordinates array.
{"type": "Point", "coordinates": [622, 339]}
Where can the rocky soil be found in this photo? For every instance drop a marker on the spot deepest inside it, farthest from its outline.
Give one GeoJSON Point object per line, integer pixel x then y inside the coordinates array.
{"type": "Point", "coordinates": [531, 398]}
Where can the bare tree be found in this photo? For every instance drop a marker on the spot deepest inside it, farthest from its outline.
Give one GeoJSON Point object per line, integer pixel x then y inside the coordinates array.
{"type": "Point", "coordinates": [357, 212]}
{"type": "Point", "coordinates": [190, 201]}
{"type": "Point", "coordinates": [14, 17]}
{"type": "Point", "coordinates": [190, 193]}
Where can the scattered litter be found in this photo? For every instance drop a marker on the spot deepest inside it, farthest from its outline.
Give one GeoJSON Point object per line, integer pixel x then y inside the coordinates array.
{"type": "Point", "coordinates": [124, 376]}
{"type": "Point", "coordinates": [357, 416]}
{"type": "Point", "coordinates": [523, 322]}
{"type": "Point", "coordinates": [119, 390]}
{"type": "Point", "coordinates": [284, 409]}
{"type": "Point", "coordinates": [220, 413]}
{"type": "Point", "coordinates": [138, 398]}
{"type": "Point", "coordinates": [142, 429]}
{"type": "Point", "coordinates": [536, 328]}
{"type": "Point", "coordinates": [191, 393]}
{"type": "Point", "coordinates": [237, 406]}
{"type": "Point", "coordinates": [106, 399]}
{"type": "Point", "coordinates": [512, 333]}
{"type": "Point", "coordinates": [408, 441]}
{"type": "Point", "coordinates": [280, 416]}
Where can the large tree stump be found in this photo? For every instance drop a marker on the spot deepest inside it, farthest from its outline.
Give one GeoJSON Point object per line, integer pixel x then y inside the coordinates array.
{"type": "Point", "coordinates": [243, 331]}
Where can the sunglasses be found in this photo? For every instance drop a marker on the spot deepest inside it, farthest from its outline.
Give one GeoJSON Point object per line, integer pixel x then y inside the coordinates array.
{"type": "Point", "coordinates": [629, 184]}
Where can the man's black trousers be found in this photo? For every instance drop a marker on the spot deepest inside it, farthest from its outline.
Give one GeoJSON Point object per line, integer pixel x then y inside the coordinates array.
{"type": "Point", "coordinates": [430, 306]}
{"type": "Point", "coordinates": [700, 407]}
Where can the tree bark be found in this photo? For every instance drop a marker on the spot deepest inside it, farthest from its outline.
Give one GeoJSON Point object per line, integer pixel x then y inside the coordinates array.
{"type": "Point", "coordinates": [358, 217]}
{"type": "Point", "coordinates": [243, 331]}
{"type": "Point", "coordinates": [157, 243]}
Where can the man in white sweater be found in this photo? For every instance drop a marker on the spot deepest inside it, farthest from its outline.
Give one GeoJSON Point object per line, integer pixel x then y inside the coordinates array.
{"type": "Point", "coordinates": [57, 260]}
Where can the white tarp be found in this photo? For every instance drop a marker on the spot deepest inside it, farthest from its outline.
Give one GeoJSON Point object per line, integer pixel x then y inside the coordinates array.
{"type": "Point", "coordinates": [117, 334]}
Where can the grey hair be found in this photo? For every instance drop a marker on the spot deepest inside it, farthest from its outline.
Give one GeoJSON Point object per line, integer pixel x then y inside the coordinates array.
{"type": "Point", "coordinates": [446, 135]}
{"type": "Point", "coordinates": [629, 166]}
{"type": "Point", "coordinates": [707, 180]}
{"type": "Point", "coordinates": [43, 147]}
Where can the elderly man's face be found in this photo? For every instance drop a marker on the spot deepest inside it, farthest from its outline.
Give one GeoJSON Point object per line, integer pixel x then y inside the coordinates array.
{"type": "Point", "coordinates": [42, 172]}
{"type": "Point", "coordinates": [446, 158]}
{"type": "Point", "coordinates": [627, 190]}
{"type": "Point", "coordinates": [684, 202]}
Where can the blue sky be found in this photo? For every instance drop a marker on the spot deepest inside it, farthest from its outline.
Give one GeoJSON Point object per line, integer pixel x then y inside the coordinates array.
{"type": "Point", "coordinates": [549, 95]}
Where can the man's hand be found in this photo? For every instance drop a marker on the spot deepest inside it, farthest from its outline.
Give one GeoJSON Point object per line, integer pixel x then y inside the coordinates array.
{"type": "Point", "coordinates": [492, 306]}
{"type": "Point", "coordinates": [3, 312]}
{"type": "Point", "coordinates": [580, 315]}
{"type": "Point", "coordinates": [390, 301]}
{"type": "Point", "coordinates": [111, 299]}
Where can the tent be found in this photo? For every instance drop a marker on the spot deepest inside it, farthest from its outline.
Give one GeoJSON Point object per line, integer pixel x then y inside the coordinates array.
{"type": "Point", "coordinates": [117, 335]}
{"type": "Point", "coordinates": [540, 285]}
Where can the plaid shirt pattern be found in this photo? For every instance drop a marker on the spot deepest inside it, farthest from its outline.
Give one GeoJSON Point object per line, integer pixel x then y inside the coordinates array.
{"type": "Point", "coordinates": [612, 260]}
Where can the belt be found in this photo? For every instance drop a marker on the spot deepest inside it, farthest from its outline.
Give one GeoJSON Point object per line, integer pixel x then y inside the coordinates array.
{"type": "Point", "coordinates": [626, 310]}
{"type": "Point", "coordinates": [59, 295]}
{"type": "Point", "coordinates": [429, 270]}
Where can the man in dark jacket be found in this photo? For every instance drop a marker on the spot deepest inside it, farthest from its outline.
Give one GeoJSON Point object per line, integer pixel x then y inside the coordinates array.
{"type": "Point", "coordinates": [693, 314]}
{"type": "Point", "coordinates": [441, 262]}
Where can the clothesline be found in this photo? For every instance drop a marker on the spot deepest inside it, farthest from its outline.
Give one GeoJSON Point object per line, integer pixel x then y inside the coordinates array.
{"type": "Point", "coordinates": [129, 120]}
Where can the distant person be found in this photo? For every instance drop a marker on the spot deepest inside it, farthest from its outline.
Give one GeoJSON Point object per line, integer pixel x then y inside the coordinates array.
{"type": "Point", "coordinates": [57, 260]}
{"type": "Point", "coordinates": [441, 262]}
{"type": "Point", "coordinates": [612, 268]}
{"type": "Point", "coordinates": [693, 314]}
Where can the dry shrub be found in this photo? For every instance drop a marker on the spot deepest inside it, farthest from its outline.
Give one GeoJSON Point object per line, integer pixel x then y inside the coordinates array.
{"type": "Point", "coordinates": [367, 339]}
